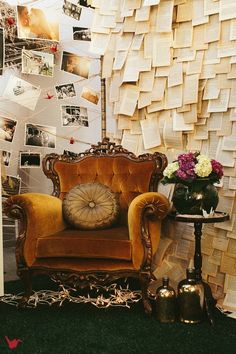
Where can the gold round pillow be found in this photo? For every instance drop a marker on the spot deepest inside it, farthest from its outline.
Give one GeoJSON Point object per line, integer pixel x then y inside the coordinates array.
{"type": "Point", "coordinates": [90, 206]}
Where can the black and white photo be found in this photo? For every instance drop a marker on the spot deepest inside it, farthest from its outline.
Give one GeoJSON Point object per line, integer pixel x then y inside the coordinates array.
{"type": "Point", "coordinates": [22, 92]}
{"type": "Point", "coordinates": [86, 3]}
{"type": "Point", "coordinates": [6, 156]}
{"type": "Point", "coordinates": [73, 116]}
{"type": "Point", "coordinates": [7, 128]}
{"type": "Point", "coordinates": [30, 160]}
{"type": "Point", "coordinates": [81, 34]}
{"type": "Point", "coordinates": [40, 135]}
{"type": "Point", "coordinates": [72, 9]}
{"type": "Point", "coordinates": [65, 91]}
{"type": "Point", "coordinates": [37, 63]}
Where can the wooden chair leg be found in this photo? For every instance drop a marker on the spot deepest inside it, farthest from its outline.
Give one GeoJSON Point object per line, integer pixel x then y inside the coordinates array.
{"type": "Point", "coordinates": [144, 282]}
{"type": "Point", "coordinates": [26, 278]}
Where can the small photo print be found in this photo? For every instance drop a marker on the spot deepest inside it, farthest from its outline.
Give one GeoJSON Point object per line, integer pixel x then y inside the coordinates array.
{"type": "Point", "coordinates": [1, 50]}
{"type": "Point", "coordinates": [37, 63]}
{"type": "Point", "coordinates": [73, 116]}
{"type": "Point", "coordinates": [86, 3]}
{"type": "Point", "coordinates": [75, 64]}
{"type": "Point", "coordinates": [22, 92]}
{"type": "Point", "coordinates": [72, 9]}
{"type": "Point", "coordinates": [10, 185]}
{"type": "Point", "coordinates": [65, 91]}
{"type": "Point", "coordinates": [30, 160]}
{"type": "Point", "coordinates": [40, 135]}
{"type": "Point", "coordinates": [36, 23]}
{"type": "Point", "coordinates": [81, 34]}
{"type": "Point", "coordinates": [7, 128]}
{"type": "Point", "coordinates": [6, 156]}
{"type": "Point", "coordinates": [90, 95]}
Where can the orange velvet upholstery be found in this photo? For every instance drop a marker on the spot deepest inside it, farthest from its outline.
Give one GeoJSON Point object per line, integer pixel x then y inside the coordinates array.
{"type": "Point", "coordinates": [110, 243]}
{"type": "Point", "coordinates": [128, 178]}
{"type": "Point", "coordinates": [46, 243]}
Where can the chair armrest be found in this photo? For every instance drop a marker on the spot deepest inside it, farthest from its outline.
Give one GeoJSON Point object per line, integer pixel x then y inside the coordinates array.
{"type": "Point", "coordinates": [39, 215]}
{"type": "Point", "coordinates": [144, 220]}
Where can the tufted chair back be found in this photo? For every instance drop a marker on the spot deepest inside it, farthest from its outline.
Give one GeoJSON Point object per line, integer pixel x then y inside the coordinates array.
{"type": "Point", "coordinates": [123, 172]}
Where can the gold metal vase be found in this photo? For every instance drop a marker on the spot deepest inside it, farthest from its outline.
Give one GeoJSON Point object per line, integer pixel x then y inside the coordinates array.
{"type": "Point", "coordinates": [165, 302]}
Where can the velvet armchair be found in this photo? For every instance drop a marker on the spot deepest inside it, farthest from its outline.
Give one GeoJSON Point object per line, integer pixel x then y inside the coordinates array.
{"type": "Point", "coordinates": [48, 244]}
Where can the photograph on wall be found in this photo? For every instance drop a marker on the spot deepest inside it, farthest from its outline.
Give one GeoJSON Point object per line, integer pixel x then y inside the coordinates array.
{"type": "Point", "coordinates": [1, 50]}
{"type": "Point", "coordinates": [6, 157]}
{"type": "Point", "coordinates": [30, 160]}
{"type": "Point", "coordinates": [75, 64]}
{"type": "Point", "coordinates": [72, 9]}
{"type": "Point", "coordinates": [36, 23]}
{"type": "Point", "coordinates": [73, 116]}
{"type": "Point", "coordinates": [10, 185]}
{"type": "Point", "coordinates": [37, 63]}
{"type": "Point", "coordinates": [86, 3]}
{"type": "Point", "coordinates": [65, 91]}
{"type": "Point", "coordinates": [22, 92]}
{"type": "Point", "coordinates": [7, 128]}
{"type": "Point", "coordinates": [81, 34]}
{"type": "Point", "coordinates": [40, 135]}
{"type": "Point", "coordinates": [90, 95]}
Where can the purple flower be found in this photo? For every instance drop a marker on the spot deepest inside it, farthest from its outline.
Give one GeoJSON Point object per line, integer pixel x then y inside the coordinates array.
{"type": "Point", "coordinates": [181, 174]}
{"type": "Point", "coordinates": [217, 168]}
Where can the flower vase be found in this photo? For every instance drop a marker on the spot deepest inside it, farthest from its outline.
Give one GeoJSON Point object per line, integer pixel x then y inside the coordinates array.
{"type": "Point", "coordinates": [193, 198]}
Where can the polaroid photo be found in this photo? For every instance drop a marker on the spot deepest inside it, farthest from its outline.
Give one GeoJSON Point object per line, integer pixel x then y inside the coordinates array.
{"type": "Point", "coordinates": [7, 128]}
{"type": "Point", "coordinates": [90, 95]}
{"type": "Point", "coordinates": [22, 92]}
{"type": "Point", "coordinates": [2, 50]}
{"type": "Point", "coordinates": [6, 157]}
{"type": "Point", "coordinates": [40, 135]}
{"type": "Point", "coordinates": [81, 34]}
{"type": "Point", "coordinates": [65, 91]}
{"type": "Point", "coordinates": [37, 63]}
{"type": "Point", "coordinates": [35, 23]}
{"type": "Point", "coordinates": [75, 64]}
{"type": "Point", "coordinates": [74, 116]}
{"type": "Point", "coordinates": [10, 185]}
{"type": "Point", "coordinates": [71, 8]}
{"type": "Point", "coordinates": [30, 160]}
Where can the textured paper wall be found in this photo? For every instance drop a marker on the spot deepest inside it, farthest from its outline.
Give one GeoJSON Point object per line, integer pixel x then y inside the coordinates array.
{"type": "Point", "coordinates": [170, 67]}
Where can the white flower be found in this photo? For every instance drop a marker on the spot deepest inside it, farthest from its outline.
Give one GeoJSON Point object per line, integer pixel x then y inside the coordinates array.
{"type": "Point", "coordinates": [170, 169]}
{"type": "Point", "coordinates": [203, 168]}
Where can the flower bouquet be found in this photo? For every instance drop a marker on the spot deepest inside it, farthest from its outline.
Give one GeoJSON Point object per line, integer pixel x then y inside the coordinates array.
{"type": "Point", "coordinates": [194, 175]}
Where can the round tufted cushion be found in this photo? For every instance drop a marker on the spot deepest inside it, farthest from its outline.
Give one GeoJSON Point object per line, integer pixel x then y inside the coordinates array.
{"type": "Point", "coordinates": [90, 206]}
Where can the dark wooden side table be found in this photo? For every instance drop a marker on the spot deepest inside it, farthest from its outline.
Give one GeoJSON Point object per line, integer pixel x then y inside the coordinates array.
{"type": "Point", "coordinates": [198, 220]}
